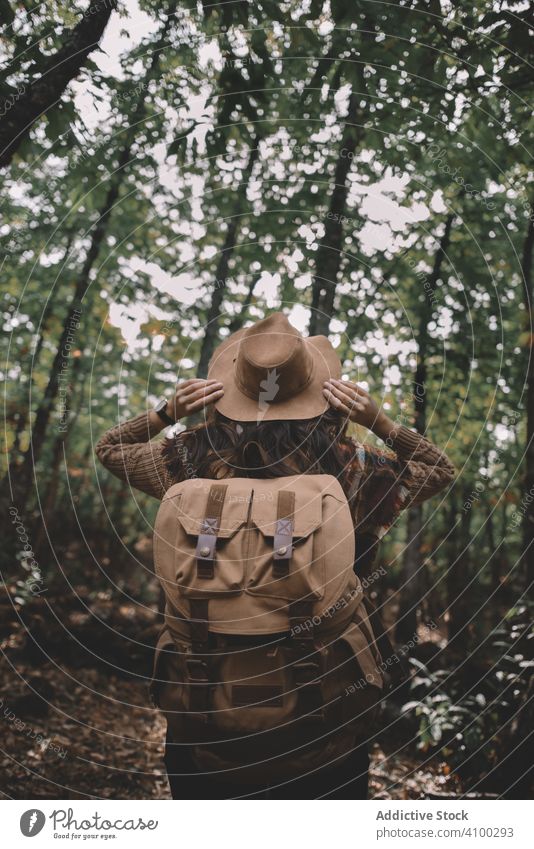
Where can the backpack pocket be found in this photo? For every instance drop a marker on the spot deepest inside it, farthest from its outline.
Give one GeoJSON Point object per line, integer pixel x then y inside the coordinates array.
{"type": "Point", "coordinates": [177, 528]}
{"type": "Point", "coordinates": [356, 675]}
{"type": "Point", "coordinates": [167, 688]}
{"type": "Point", "coordinates": [254, 690]}
{"type": "Point", "coordinates": [305, 571]}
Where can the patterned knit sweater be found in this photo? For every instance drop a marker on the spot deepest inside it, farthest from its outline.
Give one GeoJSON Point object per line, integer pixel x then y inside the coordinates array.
{"type": "Point", "coordinates": [379, 484]}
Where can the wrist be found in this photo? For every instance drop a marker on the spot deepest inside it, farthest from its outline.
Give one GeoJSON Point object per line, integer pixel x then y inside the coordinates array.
{"type": "Point", "coordinates": [164, 410]}
{"type": "Point", "coordinates": [170, 410]}
{"type": "Point", "coordinates": [156, 423]}
{"type": "Point", "coordinates": [384, 427]}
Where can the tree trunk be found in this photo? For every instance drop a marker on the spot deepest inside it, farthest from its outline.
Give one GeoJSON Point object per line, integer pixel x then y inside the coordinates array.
{"type": "Point", "coordinates": [22, 417]}
{"type": "Point", "coordinates": [528, 519]}
{"type": "Point", "coordinates": [61, 358]}
{"type": "Point", "coordinates": [238, 320]}
{"type": "Point", "coordinates": [493, 558]}
{"type": "Point", "coordinates": [22, 108]}
{"type": "Point", "coordinates": [504, 563]}
{"type": "Point", "coordinates": [330, 250]}
{"type": "Point", "coordinates": [60, 442]}
{"type": "Point", "coordinates": [458, 577]}
{"type": "Point", "coordinates": [213, 316]}
{"type": "Point", "coordinates": [60, 363]}
{"type": "Point", "coordinates": [411, 591]}
{"type": "Point", "coordinates": [494, 565]}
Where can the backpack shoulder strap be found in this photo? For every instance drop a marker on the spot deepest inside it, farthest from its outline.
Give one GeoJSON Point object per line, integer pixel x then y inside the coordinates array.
{"type": "Point", "coordinates": [354, 493]}
{"type": "Point", "coordinates": [207, 538]}
{"type": "Point", "coordinates": [283, 535]}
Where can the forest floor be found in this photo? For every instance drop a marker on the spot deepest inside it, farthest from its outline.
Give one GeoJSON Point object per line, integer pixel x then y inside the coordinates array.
{"type": "Point", "coordinates": [69, 731]}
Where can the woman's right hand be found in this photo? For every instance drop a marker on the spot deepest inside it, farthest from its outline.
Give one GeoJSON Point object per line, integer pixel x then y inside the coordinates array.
{"type": "Point", "coordinates": [193, 395]}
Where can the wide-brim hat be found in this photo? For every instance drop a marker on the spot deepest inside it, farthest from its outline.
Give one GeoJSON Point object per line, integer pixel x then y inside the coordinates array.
{"type": "Point", "coordinates": [271, 372]}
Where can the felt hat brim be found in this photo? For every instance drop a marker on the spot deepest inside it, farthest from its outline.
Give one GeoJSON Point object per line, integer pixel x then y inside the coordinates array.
{"type": "Point", "coordinates": [307, 404]}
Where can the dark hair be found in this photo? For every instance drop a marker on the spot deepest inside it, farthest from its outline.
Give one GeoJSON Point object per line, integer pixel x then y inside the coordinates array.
{"type": "Point", "coordinates": [222, 447]}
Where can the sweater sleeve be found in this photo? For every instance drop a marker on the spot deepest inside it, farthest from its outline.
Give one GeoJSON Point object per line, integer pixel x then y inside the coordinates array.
{"type": "Point", "coordinates": [425, 469]}
{"type": "Point", "coordinates": [127, 452]}
{"type": "Point", "coordinates": [382, 483]}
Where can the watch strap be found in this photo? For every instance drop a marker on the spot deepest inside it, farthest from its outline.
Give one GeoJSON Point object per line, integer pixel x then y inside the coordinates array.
{"type": "Point", "coordinates": [163, 415]}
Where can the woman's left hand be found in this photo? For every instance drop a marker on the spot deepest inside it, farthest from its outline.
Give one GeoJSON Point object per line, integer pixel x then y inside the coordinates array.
{"type": "Point", "coordinates": [355, 402]}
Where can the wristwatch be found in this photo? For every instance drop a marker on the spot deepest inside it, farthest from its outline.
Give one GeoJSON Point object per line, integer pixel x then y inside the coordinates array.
{"type": "Point", "coordinates": [160, 409]}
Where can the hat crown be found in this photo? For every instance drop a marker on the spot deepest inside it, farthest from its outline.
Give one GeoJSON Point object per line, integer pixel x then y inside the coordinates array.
{"type": "Point", "coordinates": [270, 371]}
{"type": "Point", "coordinates": [273, 362]}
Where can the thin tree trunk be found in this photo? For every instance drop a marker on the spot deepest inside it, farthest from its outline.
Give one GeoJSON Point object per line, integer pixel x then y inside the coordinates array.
{"type": "Point", "coordinates": [528, 520]}
{"type": "Point", "coordinates": [114, 546]}
{"type": "Point", "coordinates": [44, 411]}
{"type": "Point", "coordinates": [504, 566]}
{"type": "Point", "coordinates": [493, 555]}
{"type": "Point", "coordinates": [213, 316]}
{"type": "Point", "coordinates": [238, 321]}
{"type": "Point", "coordinates": [25, 104]}
{"type": "Point", "coordinates": [324, 64]}
{"type": "Point", "coordinates": [330, 250]}
{"type": "Point", "coordinates": [22, 417]}
{"type": "Point", "coordinates": [411, 591]}
{"type": "Point", "coordinates": [494, 564]}
{"type": "Point", "coordinates": [458, 577]}
{"type": "Point", "coordinates": [60, 442]}
{"type": "Point", "coordinates": [61, 358]}
{"type": "Point", "coordinates": [20, 427]}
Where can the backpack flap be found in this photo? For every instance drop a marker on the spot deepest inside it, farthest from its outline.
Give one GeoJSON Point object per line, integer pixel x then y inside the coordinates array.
{"type": "Point", "coordinates": [255, 549]}
{"type": "Point", "coordinates": [284, 561]}
{"type": "Point", "coordinates": [304, 545]}
{"type": "Point", "coordinates": [193, 552]}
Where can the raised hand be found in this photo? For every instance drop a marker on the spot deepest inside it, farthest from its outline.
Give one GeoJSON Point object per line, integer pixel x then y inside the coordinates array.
{"type": "Point", "coordinates": [193, 395]}
{"type": "Point", "coordinates": [355, 402]}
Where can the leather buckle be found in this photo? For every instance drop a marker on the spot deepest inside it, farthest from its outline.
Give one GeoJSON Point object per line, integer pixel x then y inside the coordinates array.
{"type": "Point", "coordinates": [304, 642]}
{"type": "Point", "coordinates": [310, 702]}
{"type": "Point", "coordinates": [199, 687]}
{"type": "Point", "coordinates": [306, 671]}
{"type": "Point", "coordinates": [197, 670]}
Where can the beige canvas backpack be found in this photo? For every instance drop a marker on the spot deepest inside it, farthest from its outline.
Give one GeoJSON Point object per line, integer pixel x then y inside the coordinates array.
{"type": "Point", "coordinates": [268, 664]}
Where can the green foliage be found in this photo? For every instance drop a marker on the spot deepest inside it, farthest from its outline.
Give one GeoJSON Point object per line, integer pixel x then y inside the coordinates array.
{"type": "Point", "coordinates": [476, 721]}
{"type": "Point", "coordinates": [167, 129]}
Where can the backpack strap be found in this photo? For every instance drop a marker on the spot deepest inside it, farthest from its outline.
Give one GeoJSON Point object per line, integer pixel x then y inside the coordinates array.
{"type": "Point", "coordinates": [308, 664]}
{"type": "Point", "coordinates": [398, 671]}
{"type": "Point", "coordinates": [283, 535]}
{"type": "Point", "coordinates": [308, 672]}
{"type": "Point", "coordinates": [197, 670]}
{"type": "Point", "coordinates": [301, 621]}
{"type": "Point", "coordinates": [199, 624]}
{"type": "Point", "coordinates": [207, 538]}
{"type": "Point", "coordinates": [354, 493]}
